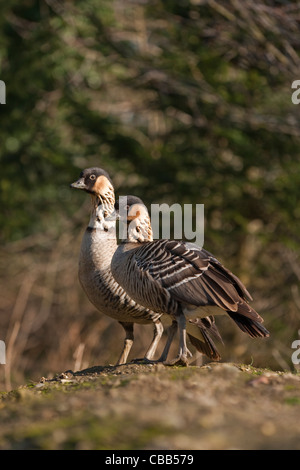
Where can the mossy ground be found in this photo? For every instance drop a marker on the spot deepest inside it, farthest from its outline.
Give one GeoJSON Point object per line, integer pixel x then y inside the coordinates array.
{"type": "Point", "coordinates": [138, 406]}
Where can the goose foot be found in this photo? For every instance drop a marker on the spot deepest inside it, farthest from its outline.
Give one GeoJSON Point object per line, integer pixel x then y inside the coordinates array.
{"type": "Point", "coordinates": [180, 360]}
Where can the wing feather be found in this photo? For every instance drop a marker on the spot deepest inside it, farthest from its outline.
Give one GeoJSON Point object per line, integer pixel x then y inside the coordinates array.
{"type": "Point", "coordinates": [164, 274]}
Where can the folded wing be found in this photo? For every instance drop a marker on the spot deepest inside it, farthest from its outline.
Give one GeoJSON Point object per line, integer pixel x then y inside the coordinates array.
{"type": "Point", "coordinates": [183, 272]}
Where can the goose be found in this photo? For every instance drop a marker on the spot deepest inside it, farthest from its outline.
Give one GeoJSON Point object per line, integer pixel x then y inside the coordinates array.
{"type": "Point", "coordinates": [181, 279]}
{"type": "Point", "coordinates": [97, 248]}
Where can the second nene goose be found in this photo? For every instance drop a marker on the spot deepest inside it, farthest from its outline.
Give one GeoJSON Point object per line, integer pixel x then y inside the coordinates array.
{"type": "Point", "coordinates": [181, 279]}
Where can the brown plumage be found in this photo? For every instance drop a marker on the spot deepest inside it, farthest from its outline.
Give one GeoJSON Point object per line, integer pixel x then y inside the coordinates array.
{"type": "Point", "coordinates": [97, 248]}
{"type": "Point", "coordinates": [181, 279]}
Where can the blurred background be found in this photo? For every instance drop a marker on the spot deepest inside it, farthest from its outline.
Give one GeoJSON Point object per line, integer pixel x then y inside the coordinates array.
{"type": "Point", "coordinates": [186, 101]}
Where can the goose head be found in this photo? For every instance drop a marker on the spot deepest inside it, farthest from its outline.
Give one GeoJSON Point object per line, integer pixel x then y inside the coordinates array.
{"type": "Point", "coordinates": [135, 218]}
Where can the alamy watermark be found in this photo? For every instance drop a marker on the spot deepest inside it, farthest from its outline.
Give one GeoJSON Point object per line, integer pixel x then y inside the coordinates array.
{"type": "Point", "coordinates": [296, 93]}
{"type": "Point", "coordinates": [2, 353]}
{"type": "Point", "coordinates": [182, 221]}
{"type": "Point", "coordinates": [2, 92]}
{"type": "Point", "coordinates": [176, 221]}
{"type": "Point", "coordinates": [296, 354]}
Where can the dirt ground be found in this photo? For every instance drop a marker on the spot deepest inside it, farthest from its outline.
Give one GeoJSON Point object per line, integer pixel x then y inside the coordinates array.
{"type": "Point", "coordinates": [142, 406]}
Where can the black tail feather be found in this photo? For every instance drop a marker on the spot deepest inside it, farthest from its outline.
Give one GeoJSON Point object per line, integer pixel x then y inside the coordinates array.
{"type": "Point", "coordinates": [253, 328]}
{"type": "Point", "coordinates": [207, 327]}
{"type": "Point", "coordinates": [210, 324]}
{"type": "Point", "coordinates": [208, 348]}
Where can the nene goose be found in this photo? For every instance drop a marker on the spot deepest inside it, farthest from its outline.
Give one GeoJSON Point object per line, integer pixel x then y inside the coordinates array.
{"type": "Point", "coordinates": [181, 279]}
{"type": "Point", "coordinates": [97, 248]}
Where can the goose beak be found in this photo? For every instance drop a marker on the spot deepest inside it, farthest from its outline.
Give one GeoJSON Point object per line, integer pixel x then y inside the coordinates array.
{"type": "Point", "coordinates": [79, 184]}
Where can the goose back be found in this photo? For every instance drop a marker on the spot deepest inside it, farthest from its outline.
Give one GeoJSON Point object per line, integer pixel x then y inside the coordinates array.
{"type": "Point", "coordinates": [164, 274]}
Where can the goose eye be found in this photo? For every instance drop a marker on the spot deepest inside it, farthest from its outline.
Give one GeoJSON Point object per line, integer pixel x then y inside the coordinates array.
{"type": "Point", "coordinates": [92, 177]}
{"type": "Point", "coordinates": [138, 229]}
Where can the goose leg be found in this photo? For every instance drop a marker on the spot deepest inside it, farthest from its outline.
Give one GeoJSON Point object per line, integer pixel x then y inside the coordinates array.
{"type": "Point", "coordinates": [158, 331]}
{"type": "Point", "coordinates": [148, 358]}
{"type": "Point", "coordinates": [171, 331]}
{"type": "Point", "coordinates": [184, 353]}
{"type": "Point", "coordinates": [128, 342]}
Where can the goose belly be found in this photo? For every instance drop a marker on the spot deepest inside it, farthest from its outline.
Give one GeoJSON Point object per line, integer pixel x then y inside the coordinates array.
{"type": "Point", "coordinates": [100, 286]}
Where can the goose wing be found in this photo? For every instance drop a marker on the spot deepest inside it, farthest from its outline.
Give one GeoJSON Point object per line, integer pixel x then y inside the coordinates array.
{"type": "Point", "coordinates": [191, 275]}
{"type": "Point", "coordinates": [194, 277]}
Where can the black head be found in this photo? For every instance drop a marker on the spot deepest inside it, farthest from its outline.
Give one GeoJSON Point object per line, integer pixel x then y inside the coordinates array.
{"type": "Point", "coordinates": [128, 202]}
{"type": "Point", "coordinates": [134, 215]}
{"type": "Point", "coordinates": [93, 180]}
{"type": "Point", "coordinates": [129, 208]}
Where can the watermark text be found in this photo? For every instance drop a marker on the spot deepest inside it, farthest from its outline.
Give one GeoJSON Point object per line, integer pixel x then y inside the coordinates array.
{"type": "Point", "coordinates": [2, 92]}
{"type": "Point", "coordinates": [296, 93]}
{"type": "Point", "coordinates": [2, 353]}
{"type": "Point", "coordinates": [296, 354]}
{"type": "Point", "coordinates": [176, 221]}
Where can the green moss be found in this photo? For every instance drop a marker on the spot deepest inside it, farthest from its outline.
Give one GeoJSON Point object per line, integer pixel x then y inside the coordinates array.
{"type": "Point", "coordinates": [290, 387]}
{"type": "Point", "coordinates": [86, 431]}
{"type": "Point", "coordinates": [254, 370]}
{"type": "Point", "coordinates": [182, 373]}
{"type": "Point", "coordinates": [292, 401]}
{"type": "Point", "coordinates": [134, 411]}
